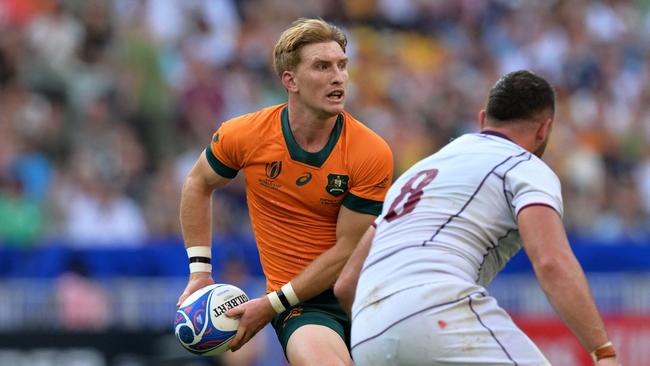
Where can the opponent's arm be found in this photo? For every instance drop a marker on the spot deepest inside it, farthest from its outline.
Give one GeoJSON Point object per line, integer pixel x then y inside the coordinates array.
{"type": "Point", "coordinates": [561, 276]}
{"type": "Point", "coordinates": [346, 285]}
{"type": "Point", "coordinates": [196, 218]}
{"type": "Point", "coordinates": [318, 276]}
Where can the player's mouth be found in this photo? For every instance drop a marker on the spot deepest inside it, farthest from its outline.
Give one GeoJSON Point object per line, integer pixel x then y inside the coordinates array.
{"type": "Point", "coordinates": [336, 95]}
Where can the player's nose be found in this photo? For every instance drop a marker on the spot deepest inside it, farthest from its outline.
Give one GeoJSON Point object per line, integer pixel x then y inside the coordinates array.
{"type": "Point", "coordinates": [340, 76]}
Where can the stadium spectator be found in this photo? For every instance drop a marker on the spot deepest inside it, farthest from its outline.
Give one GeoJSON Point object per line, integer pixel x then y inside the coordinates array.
{"type": "Point", "coordinates": [21, 217]}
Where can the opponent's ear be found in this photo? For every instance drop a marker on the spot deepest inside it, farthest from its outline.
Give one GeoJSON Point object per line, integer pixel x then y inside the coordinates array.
{"type": "Point", "coordinates": [481, 119]}
{"type": "Point", "coordinates": [544, 129]}
{"type": "Point", "coordinates": [289, 81]}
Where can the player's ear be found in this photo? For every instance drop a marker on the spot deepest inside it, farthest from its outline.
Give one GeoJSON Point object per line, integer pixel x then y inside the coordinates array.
{"type": "Point", "coordinates": [481, 119]}
{"type": "Point", "coordinates": [544, 129]}
{"type": "Point", "coordinates": [289, 81]}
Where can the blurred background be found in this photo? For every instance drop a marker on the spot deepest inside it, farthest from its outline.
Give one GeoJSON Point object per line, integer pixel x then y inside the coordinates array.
{"type": "Point", "coordinates": [105, 105]}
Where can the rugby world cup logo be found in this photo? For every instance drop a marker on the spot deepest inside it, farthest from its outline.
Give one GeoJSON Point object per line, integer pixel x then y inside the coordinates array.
{"type": "Point", "coordinates": [273, 169]}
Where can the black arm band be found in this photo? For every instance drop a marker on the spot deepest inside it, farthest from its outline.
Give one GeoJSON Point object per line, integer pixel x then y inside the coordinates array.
{"type": "Point", "coordinates": [200, 260]}
{"type": "Point", "coordinates": [283, 298]}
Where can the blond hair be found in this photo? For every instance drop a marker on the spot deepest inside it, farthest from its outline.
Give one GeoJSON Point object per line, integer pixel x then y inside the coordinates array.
{"type": "Point", "coordinates": [286, 53]}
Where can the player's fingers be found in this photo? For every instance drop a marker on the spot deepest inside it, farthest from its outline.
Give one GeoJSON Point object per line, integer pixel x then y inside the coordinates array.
{"type": "Point", "coordinates": [236, 311]}
{"type": "Point", "coordinates": [192, 287]}
{"type": "Point", "coordinates": [247, 337]}
{"type": "Point", "coordinates": [182, 298]}
{"type": "Point", "coordinates": [236, 342]}
{"type": "Point", "coordinates": [244, 340]}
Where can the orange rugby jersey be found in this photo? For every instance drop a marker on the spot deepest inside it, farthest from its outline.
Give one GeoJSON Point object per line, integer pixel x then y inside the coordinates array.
{"type": "Point", "coordinates": [294, 195]}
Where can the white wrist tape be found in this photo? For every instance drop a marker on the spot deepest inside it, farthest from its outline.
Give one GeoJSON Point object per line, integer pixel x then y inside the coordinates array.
{"type": "Point", "coordinates": [200, 267]}
{"type": "Point", "coordinates": [199, 251]}
{"type": "Point", "coordinates": [290, 294]}
{"type": "Point", "coordinates": [200, 258]}
{"type": "Point", "coordinates": [275, 302]}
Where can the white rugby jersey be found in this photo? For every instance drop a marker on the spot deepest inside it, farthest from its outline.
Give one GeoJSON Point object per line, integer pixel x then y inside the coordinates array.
{"type": "Point", "coordinates": [453, 216]}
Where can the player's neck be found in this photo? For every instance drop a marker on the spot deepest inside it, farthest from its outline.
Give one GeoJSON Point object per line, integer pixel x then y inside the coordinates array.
{"type": "Point", "coordinates": [521, 138]}
{"type": "Point", "coordinates": [310, 131]}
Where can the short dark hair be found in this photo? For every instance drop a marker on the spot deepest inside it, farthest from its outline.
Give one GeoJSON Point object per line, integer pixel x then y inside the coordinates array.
{"type": "Point", "coordinates": [520, 95]}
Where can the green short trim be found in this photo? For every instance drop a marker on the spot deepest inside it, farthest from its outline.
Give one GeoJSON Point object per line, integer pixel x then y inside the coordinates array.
{"type": "Point", "coordinates": [324, 309]}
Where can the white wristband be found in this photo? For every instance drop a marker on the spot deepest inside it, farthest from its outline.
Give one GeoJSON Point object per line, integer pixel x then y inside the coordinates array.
{"type": "Point", "coordinates": [275, 302]}
{"type": "Point", "coordinates": [200, 258]}
{"type": "Point", "coordinates": [200, 267]}
{"type": "Point", "coordinates": [199, 251]}
{"type": "Point", "coordinates": [290, 294]}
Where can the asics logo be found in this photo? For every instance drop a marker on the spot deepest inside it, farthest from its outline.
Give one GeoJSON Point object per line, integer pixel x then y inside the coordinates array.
{"type": "Point", "coordinates": [303, 179]}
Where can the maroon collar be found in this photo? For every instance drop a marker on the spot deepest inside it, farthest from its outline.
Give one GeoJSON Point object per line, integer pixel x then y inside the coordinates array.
{"type": "Point", "coordinates": [497, 134]}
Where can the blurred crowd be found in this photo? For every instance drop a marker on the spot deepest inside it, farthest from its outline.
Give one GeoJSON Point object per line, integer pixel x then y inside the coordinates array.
{"type": "Point", "coordinates": [105, 105]}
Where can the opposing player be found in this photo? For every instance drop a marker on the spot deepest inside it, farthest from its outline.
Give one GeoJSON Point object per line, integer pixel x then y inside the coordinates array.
{"type": "Point", "coordinates": [315, 180]}
{"type": "Point", "coordinates": [450, 223]}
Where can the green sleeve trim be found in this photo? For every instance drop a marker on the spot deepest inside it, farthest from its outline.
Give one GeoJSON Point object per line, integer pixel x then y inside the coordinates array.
{"type": "Point", "coordinates": [362, 205]}
{"type": "Point", "coordinates": [219, 167]}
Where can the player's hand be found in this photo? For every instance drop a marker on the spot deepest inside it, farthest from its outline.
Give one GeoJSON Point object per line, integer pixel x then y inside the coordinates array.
{"type": "Point", "coordinates": [610, 361]}
{"type": "Point", "coordinates": [198, 280]}
{"type": "Point", "coordinates": [253, 316]}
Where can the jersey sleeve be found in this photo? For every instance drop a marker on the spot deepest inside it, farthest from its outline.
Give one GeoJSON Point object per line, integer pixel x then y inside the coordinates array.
{"type": "Point", "coordinates": [534, 183]}
{"type": "Point", "coordinates": [225, 151]}
{"type": "Point", "coordinates": [372, 176]}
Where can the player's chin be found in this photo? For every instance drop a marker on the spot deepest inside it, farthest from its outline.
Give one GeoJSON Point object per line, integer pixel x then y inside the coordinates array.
{"type": "Point", "coordinates": [334, 107]}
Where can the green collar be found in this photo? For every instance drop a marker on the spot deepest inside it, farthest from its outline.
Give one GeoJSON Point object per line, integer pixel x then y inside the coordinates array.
{"type": "Point", "coordinates": [298, 154]}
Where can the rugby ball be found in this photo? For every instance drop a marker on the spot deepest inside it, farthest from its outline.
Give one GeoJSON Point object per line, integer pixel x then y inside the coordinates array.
{"type": "Point", "coordinates": [201, 325]}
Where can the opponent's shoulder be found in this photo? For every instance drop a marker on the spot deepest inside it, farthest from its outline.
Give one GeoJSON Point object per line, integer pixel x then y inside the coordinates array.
{"type": "Point", "coordinates": [545, 169]}
{"type": "Point", "coordinates": [532, 171]}
{"type": "Point", "coordinates": [539, 167]}
{"type": "Point", "coordinates": [534, 182]}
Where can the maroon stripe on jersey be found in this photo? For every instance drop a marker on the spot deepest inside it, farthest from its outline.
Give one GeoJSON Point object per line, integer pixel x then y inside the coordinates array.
{"type": "Point", "coordinates": [536, 204]}
{"type": "Point", "coordinates": [491, 332]}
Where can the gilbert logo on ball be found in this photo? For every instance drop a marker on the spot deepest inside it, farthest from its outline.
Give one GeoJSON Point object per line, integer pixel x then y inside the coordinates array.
{"type": "Point", "coordinates": [201, 325]}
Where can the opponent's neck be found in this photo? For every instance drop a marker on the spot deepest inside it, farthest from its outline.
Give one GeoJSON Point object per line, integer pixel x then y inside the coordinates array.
{"type": "Point", "coordinates": [525, 140]}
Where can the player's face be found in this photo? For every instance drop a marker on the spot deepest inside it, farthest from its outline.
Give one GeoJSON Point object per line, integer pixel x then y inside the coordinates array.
{"type": "Point", "coordinates": [321, 78]}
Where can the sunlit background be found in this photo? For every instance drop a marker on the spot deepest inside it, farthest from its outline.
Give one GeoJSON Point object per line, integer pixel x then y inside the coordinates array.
{"type": "Point", "coordinates": [105, 105]}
